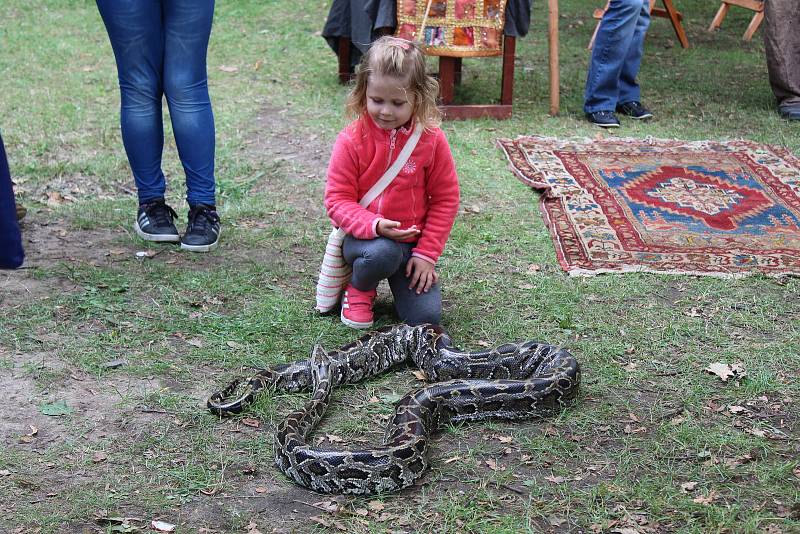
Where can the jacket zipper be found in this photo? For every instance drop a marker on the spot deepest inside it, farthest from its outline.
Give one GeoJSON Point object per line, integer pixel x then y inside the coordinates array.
{"type": "Point", "coordinates": [392, 140]}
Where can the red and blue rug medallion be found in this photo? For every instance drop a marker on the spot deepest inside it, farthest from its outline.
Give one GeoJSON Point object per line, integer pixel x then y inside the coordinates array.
{"type": "Point", "coordinates": [710, 208]}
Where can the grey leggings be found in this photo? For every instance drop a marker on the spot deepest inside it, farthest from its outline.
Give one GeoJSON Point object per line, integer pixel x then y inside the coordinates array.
{"type": "Point", "coordinates": [379, 258]}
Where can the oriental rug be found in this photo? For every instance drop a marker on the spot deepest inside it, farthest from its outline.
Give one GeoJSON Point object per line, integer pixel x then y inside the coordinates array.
{"type": "Point", "coordinates": [706, 208]}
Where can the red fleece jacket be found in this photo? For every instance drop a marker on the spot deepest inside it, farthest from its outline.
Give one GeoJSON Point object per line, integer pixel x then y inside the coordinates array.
{"type": "Point", "coordinates": [425, 192]}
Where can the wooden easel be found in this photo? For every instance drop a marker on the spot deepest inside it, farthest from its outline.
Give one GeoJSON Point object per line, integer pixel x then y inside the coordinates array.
{"type": "Point", "coordinates": [753, 5]}
{"type": "Point", "coordinates": [667, 12]}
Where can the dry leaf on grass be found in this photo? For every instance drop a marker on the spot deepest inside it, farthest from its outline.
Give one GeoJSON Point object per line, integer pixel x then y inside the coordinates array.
{"type": "Point", "coordinates": [225, 68]}
{"type": "Point", "coordinates": [251, 422]}
{"type": "Point", "coordinates": [705, 499]}
{"type": "Point", "coordinates": [555, 480]}
{"type": "Point", "coordinates": [686, 487]}
{"type": "Point", "coordinates": [725, 371]}
{"type": "Point", "coordinates": [162, 526]}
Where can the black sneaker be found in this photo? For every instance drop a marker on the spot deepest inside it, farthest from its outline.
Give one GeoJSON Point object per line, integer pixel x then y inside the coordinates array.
{"type": "Point", "coordinates": [202, 229]}
{"type": "Point", "coordinates": [154, 222]}
{"type": "Point", "coordinates": [790, 112]}
{"type": "Point", "coordinates": [603, 119]}
{"type": "Point", "coordinates": [635, 110]}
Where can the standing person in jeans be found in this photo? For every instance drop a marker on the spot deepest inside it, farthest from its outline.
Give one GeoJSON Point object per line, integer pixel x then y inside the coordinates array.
{"type": "Point", "coordinates": [782, 46]}
{"type": "Point", "coordinates": [160, 47]}
{"type": "Point", "coordinates": [11, 253]}
{"type": "Point", "coordinates": [616, 55]}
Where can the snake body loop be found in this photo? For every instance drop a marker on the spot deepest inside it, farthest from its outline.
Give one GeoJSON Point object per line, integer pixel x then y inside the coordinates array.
{"type": "Point", "coordinates": [511, 381]}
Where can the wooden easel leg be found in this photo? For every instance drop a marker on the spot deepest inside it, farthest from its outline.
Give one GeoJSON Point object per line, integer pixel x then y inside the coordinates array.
{"type": "Point", "coordinates": [721, 12]}
{"type": "Point", "coordinates": [552, 45]}
{"type": "Point", "coordinates": [754, 24]}
{"type": "Point", "coordinates": [675, 18]}
{"type": "Point", "coordinates": [507, 83]}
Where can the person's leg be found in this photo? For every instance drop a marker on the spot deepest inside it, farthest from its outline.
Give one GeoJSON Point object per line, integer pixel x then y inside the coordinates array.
{"type": "Point", "coordinates": [412, 308]}
{"type": "Point", "coordinates": [11, 253]}
{"type": "Point", "coordinates": [187, 27]}
{"type": "Point", "coordinates": [609, 54]}
{"type": "Point", "coordinates": [135, 30]}
{"type": "Point", "coordinates": [372, 261]}
{"type": "Point", "coordinates": [782, 47]}
{"type": "Point", "coordinates": [628, 87]}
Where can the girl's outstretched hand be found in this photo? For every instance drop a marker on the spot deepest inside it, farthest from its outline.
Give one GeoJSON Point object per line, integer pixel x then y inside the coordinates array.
{"type": "Point", "coordinates": [391, 229]}
{"type": "Point", "coordinates": [422, 273]}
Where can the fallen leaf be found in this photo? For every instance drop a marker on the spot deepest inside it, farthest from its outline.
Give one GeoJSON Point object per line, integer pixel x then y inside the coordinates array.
{"type": "Point", "coordinates": [737, 409]}
{"type": "Point", "coordinates": [251, 422]}
{"type": "Point", "coordinates": [162, 526]}
{"type": "Point", "coordinates": [556, 521]}
{"type": "Point", "coordinates": [686, 487]}
{"type": "Point", "coordinates": [725, 371]}
{"type": "Point", "coordinates": [419, 375]}
{"type": "Point", "coordinates": [329, 506]}
{"type": "Point", "coordinates": [208, 491]}
{"type": "Point", "coordinates": [694, 312]}
{"type": "Point", "coordinates": [56, 409]}
{"type": "Point", "coordinates": [483, 343]}
{"type": "Point", "coordinates": [555, 479]}
{"type": "Point", "coordinates": [705, 499]}
{"type": "Point", "coordinates": [146, 254]}
{"type": "Point", "coordinates": [320, 520]}
{"type": "Point", "coordinates": [504, 439]}
{"type": "Point", "coordinates": [225, 68]}
{"type": "Point", "coordinates": [54, 199]}
{"type": "Point", "coordinates": [261, 489]}
{"type": "Point", "coordinates": [492, 464]}
{"type": "Point", "coordinates": [376, 506]}
{"type": "Point", "coordinates": [756, 432]}
{"type": "Point", "coordinates": [99, 457]}
{"type": "Point", "coordinates": [333, 438]}
{"type": "Point", "coordinates": [195, 342]}
{"type": "Point", "coordinates": [234, 345]}
{"type": "Point", "coordinates": [739, 460]}
{"type": "Point", "coordinates": [252, 528]}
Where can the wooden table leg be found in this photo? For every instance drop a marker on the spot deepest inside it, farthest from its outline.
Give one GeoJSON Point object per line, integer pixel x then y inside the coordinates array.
{"type": "Point", "coordinates": [675, 18]}
{"type": "Point", "coordinates": [552, 43]}
{"type": "Point", "coordinates": [344, 59]}
{"type": "Point", "coordinates": [507, 83]}
{"type": "Point", "coordinates": [447, 73]}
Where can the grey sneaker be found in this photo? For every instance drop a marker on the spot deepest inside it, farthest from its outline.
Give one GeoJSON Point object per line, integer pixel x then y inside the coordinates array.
{"type": "Point", "coordinates": [155, 222]}
{"type": "Point", "coordinates": [202, 229]}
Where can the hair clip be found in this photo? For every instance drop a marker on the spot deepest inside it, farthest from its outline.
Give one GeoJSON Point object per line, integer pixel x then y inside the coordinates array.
{"type": "Point", "coordinates": [399, 41]}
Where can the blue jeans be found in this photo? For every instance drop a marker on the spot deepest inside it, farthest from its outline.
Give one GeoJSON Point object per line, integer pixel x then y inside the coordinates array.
{"type": "Point", "coordinates": [616, 56]}
{"type": "Point", "coordinates": [160, 47]}
{"type": "Point", "coordinates": [379, 258]}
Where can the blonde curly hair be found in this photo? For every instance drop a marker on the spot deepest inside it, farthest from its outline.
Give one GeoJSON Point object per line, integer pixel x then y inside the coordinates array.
{"type": "Point", "coordinates": [401, 59]}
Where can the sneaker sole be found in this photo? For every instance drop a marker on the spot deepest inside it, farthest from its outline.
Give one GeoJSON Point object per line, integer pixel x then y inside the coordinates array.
{"type": "Point", "coordinates": [202, 248]}
{"type": "Point", "coordinates": [642, 118]}
{"type": "Point", "coordinates": [354, 324]}
{"type": "Point", "coordinates": [158, 238]}
{"type": "Point", "coordinates": [606, 125]}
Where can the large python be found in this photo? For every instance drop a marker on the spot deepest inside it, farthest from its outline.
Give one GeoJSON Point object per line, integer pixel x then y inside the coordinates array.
{"type": "Point", "coordinates": [511, 381]}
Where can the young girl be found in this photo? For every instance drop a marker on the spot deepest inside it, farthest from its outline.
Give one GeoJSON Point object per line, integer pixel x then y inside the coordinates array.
{"type": "Point", "coordinates": [402, 233]}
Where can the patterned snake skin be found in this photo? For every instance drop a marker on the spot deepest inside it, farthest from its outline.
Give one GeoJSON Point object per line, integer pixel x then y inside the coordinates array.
{"type": "Point", "coordinates": [512, 381]}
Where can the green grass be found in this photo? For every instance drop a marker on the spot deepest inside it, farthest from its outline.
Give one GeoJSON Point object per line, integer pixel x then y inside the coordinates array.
{"type": "Point", "coordinates": [648, 419]}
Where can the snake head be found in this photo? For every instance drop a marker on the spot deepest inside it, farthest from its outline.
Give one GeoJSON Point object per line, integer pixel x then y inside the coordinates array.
{"type": "Point", "coordinates": [322, 365]}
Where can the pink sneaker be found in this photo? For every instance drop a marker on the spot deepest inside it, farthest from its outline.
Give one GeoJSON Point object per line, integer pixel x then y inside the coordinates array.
{"type": "Point", "coordinates": [357, 307]}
